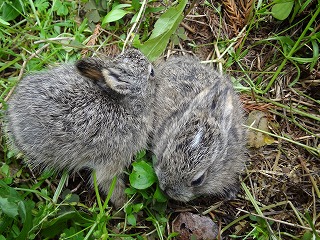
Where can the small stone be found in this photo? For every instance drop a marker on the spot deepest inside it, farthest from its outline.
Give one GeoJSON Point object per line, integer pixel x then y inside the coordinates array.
{"type": "Point", "coordinates": [194, 226]}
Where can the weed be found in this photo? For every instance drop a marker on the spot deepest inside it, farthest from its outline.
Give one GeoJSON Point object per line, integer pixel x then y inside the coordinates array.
{"type": "Point", "coordinates": [270, 48]}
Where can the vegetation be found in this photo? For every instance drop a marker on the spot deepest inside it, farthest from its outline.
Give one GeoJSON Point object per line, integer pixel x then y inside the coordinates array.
{"type": "Point", "coordinates": [271, 50]}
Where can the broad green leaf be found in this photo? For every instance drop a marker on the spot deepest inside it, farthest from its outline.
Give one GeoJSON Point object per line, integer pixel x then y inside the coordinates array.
{"type": "Point", "coordinates": [136, 4]}
{"type": "Point", "coordinates": [153, 48]}
{"type": "Point", "coordinates": [132, 220]}
{"type": "Point", "coordinates": [128, 209]}
{"type": "Point", "coordinates": [8, 208]}
{"type": "Point", "coordinates": [159, 195]}
{"type": "Point", "coordinates": [165, 26]}
{"type": "Point", "coordinates": [114, 15]}
{"type": "Point", "coordinates": [282, 9]}
{"type": "Point", "coordinates": [142, 175]}
{"type": "Point", "coordinates": [137, 207]}
{"type": "Point", "coordinates": [12, 10]}
{"type": "Point", "coordinates": [168, 20]}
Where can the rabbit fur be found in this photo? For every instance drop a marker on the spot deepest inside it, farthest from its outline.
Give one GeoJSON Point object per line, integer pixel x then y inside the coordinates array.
{"type": "Point", "coordinates": [197, 135]}
{"type": "Point", "coordinates": [92, 114]}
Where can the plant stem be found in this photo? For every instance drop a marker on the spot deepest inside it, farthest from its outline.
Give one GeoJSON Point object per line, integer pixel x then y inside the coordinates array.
{"type": "Point", "coordinates": [293, 49]}
{"type": "Point", "coordinates": [291, 109]}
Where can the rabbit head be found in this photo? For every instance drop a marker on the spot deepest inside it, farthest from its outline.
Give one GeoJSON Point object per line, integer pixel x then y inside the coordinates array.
{"type": "Point", "coordinates": [127, 74]}
{"type": "Point", "coordinates": [200, 151]}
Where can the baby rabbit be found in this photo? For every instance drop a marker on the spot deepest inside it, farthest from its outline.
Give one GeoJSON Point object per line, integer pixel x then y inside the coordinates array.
{"type": "Point", "coordinates": [92, 114]}
{"type": "Point", "coordinates": [197, 136]}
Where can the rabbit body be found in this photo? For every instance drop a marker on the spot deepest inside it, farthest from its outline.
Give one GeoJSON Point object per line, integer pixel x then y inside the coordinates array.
{"type": "Point", "coordinates": [93, 114]}
{"type": "Point", "coordinates": [197, 137]}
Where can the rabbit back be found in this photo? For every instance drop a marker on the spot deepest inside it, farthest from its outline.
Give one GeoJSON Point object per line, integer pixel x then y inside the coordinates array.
{"type": "Point", "coordinates": [61, 119]}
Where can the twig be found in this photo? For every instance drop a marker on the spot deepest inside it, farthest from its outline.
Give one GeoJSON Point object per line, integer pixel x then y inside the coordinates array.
{"type": "Point", "coordinates": [54, 39]}
{"type": "Point", "coordinates": [191, 6]}
{"type": "Point", "coordinates": [134, 26]}
{"type": "Point", "coordinates": [233, 42]}
{"type": "Point", "coordinates": [314, 183]}
{"type": "Point", "coordinates": [276, 220]}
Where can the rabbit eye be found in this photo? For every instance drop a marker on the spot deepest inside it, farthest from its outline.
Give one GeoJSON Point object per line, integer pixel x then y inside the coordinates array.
{"type": "Point", "coordinates": [152, 72]}
{"type": "Point", "coordinates": [197, 182]}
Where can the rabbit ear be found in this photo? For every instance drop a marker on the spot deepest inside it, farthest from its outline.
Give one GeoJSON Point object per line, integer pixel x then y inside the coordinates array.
{"type": "Point", "coordinates": [112, 78]}
{"type": "Point", "coordinates": [95, 69]}
{"type": "Point", "coordinates": [217, 101]}
{"type": "Point", "coordinates": [91, 68]}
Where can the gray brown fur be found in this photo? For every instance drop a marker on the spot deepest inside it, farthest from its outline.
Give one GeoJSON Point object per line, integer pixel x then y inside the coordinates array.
{"type": "Point", "coordinates": [93, 114]}
{"type": "Point", "coordinates": [198, 137]}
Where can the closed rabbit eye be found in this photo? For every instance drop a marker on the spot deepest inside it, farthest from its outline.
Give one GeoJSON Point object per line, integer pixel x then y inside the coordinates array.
{"type": "Point", "coordinates": [198, 181]}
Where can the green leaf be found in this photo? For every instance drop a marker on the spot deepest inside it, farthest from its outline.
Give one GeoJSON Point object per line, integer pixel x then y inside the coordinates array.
{"type": "Point", "coordinates": [60, 8]}
{"type": "Point", "coordinates": [4, 22]}
{"type": "Point", "coordinates": [12, 10]}
{"type": "Point", "coordinates": [128, 209]}
{"type": "Point", "coordinates": [5, 169]}
{"type": "Point", "coordinates": [27, 222]}
{"type": "Point", "coordinates": [136, 4]}
{"type": "Point", "coordinates": [41, 5]}
{"type": "Point", "coordinates": [130, 191]}
{"type": "Point", "coordinates": [93, 16]}
{"type": "Point", "coordinates": [282, 9]}
{"type": "Point", "coordinates": [141, 155]}
{"type": "Point", "coordinates": [137, 207]}
{"type": "Point", "coordinates": [142, 175]}
{"type": "Point", "coordinates": [114, 15]}
{"type": "Point", "coordinates": [165, 26]}
{"type": "Point", "coordinates": [8, 208]}
{"type": "Point", "coordinates": [154, 9]}
{"type": "Point", "coordinates": [132, 220]}
{"type": "Point", "coordinates": [167, 20]}
{"type": "Point", "coordinates": [307, 235]}
{"type": "Point", "coordinates": [119, 6]}
{"type": "Point", "coordinates": [22, 211]}
{"type": "Point", "coordinates": [153, 48]}
{"type": "Point", "coordinates": [159, 195]}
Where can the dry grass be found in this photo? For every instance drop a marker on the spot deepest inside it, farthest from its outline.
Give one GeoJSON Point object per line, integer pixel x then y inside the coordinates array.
{"type": "Point", "coordinates": [238, 13]}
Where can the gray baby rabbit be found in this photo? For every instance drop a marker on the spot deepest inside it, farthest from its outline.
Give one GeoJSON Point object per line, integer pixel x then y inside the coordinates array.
{"type": "Point", "coordinates": [198, 137]}
{"type": "Point", "coordinates": [92, 114]}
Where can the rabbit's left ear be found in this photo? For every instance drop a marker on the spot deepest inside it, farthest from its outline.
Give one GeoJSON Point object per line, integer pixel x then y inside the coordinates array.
{"type": "Point", "coordinates": [110, 78]}
{"type": "Point", "coordinates": [114, 79]}
{"type": "Point", "coordinates": [91, 68]}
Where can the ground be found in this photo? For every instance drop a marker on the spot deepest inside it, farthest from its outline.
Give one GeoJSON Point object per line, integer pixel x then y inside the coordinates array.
{"type": "Point", "coordinates": [274, 65]}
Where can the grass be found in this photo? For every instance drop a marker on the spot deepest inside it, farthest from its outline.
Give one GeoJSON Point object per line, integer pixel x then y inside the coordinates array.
{"type": "Point", "coordinates": [274, 64]}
